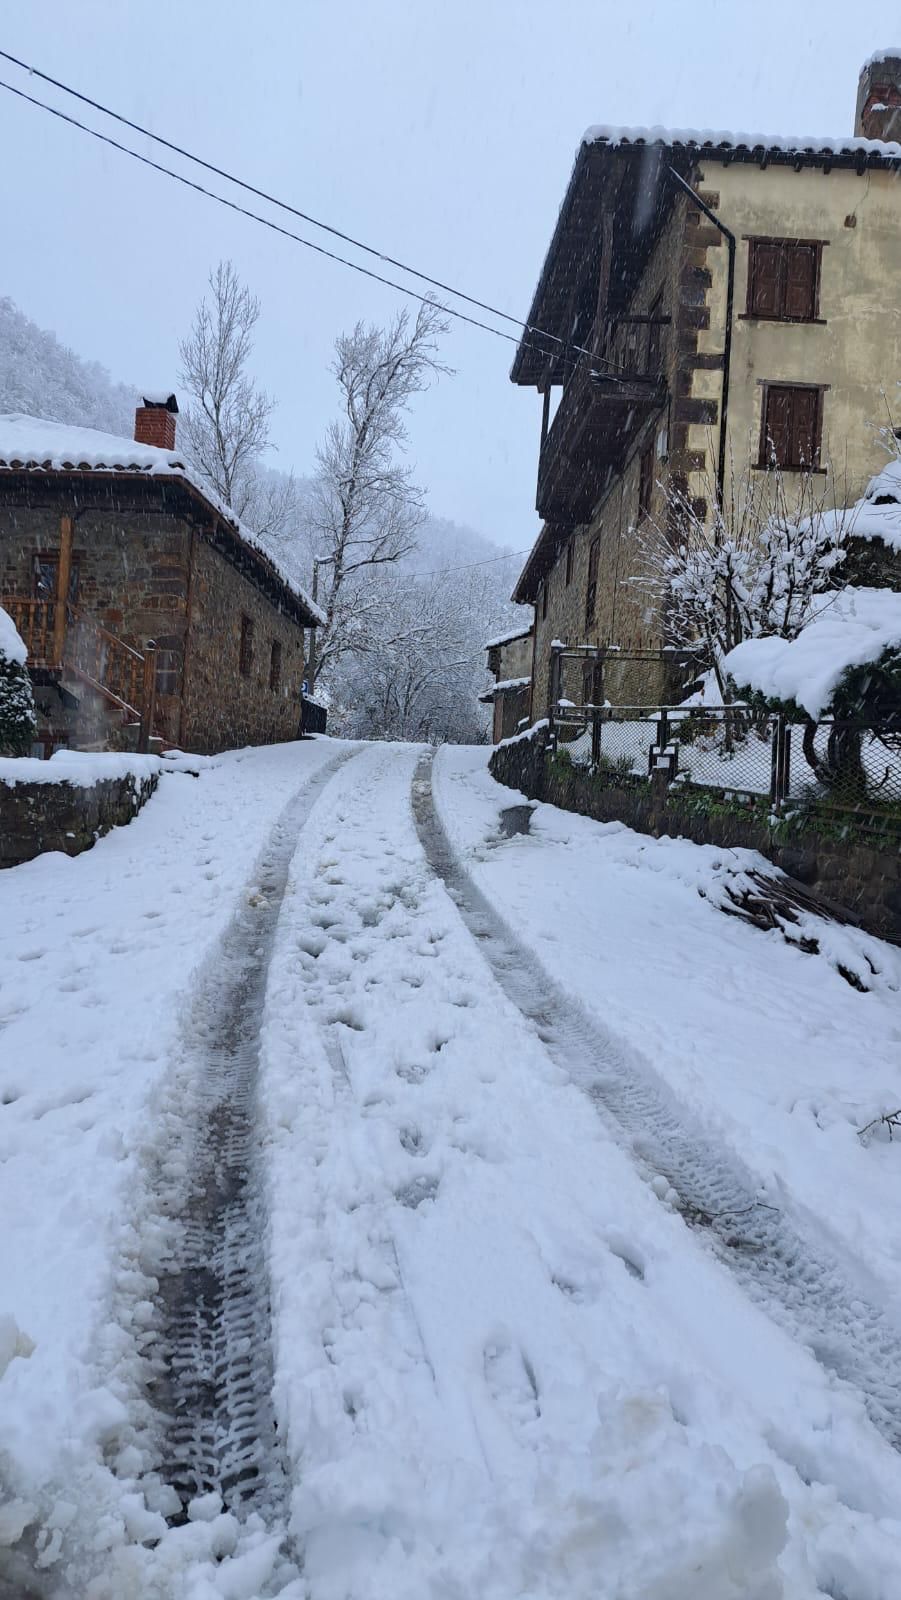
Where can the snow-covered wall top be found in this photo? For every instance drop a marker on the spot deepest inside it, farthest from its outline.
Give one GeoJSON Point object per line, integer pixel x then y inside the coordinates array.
{"type": "Point", "coordinates": [35, 444]}
{"type": "Point", "coordinates": [853, 628]}
{"type": "Point", "coordinates": [508, 637]}
{"type": "Point", "coordinates": [817, 144]}
{"type": "Point", "coordinates": [882, 55]}
{"type": "Point", "coordinates": [12, 645]}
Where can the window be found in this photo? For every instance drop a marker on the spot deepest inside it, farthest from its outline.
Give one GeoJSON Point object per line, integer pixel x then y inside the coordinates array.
{"type": "Point", "coordinates": [645, 482]}
{"type": "Point", "coordinates": [655, 338]}
{"type": "Point", "coordinates": [791, 427]}
{"type": "Point", "coordinates": [275, 666]}
{"type": "Point", "coordinates": [591, 594]}
{"type": "Point", "coordinates": [43, 579]}
{"type": "Point", "coordinates": [245, 660]}
{"type": "Point", "coordinates": [568, 576]}
{"type": "Point", "coordinates": [168, 663]}
{"type": "Point", "coordinates": [784, 279]}
{"type": "Point", "coordinates": [544, 599]}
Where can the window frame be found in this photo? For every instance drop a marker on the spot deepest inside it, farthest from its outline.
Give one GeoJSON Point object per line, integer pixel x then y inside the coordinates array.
{"type": "Point", "coordinates": [568, 564]}
{"type": "Point", "coordinates": [754, 242]}
{"type": "Point", "coordinates": [275, 666]}
{"type": "Point", "coordinates": [246, 651]}
{"type": "Point", "coordinates": [646, 480]}
{"type": "Point", "coordinates": [591, 590]}
{"type": "Point", "coordinates": [764, 462]}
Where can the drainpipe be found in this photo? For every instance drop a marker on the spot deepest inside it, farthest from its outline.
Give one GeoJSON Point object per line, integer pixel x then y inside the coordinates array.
{"type": "Point", "coordinates": [727, 340]}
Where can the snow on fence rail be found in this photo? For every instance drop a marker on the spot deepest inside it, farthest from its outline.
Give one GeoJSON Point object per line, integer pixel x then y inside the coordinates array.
{"type": "Point", "coordinates": [830, 766]}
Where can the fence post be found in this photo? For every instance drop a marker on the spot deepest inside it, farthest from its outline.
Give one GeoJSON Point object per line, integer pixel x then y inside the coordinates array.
{"type": "Point", "coordinates": [779, 766]}
{"type": "Point", "coordinates": [553, 697]}
{"type": "Point", "coordinates": [148, 697]}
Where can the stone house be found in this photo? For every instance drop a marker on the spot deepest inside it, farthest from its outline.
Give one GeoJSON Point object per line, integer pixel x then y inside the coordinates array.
{"type": "Point", "coordinates": [510, 659]}
{"type": "Point", "coordinates": [710, 306]}
{"type": "Point", "coordinates": [147, 609]}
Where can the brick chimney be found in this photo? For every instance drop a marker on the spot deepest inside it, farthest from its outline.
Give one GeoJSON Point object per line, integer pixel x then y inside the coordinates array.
{"type": "Point", "coordinates": [878, 114]}
{"type": "Point", "coordinates": [155, 420]}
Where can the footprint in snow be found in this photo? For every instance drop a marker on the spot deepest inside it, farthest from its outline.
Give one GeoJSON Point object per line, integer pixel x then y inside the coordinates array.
{"type": "Point", "coordinates": [511, 1380]}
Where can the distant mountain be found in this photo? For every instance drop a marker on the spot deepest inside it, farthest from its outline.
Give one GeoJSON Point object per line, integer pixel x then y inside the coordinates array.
{"type": "Point", "coordinates": [44, 378]}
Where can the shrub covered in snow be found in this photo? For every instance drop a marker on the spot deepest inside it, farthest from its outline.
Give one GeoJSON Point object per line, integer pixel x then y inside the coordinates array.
{"type": "Point", "coordinates": [17, 714]}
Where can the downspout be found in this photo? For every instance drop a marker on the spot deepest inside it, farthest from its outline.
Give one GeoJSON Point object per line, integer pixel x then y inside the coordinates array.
{"type": "Point", "coordinates": [727, 340]}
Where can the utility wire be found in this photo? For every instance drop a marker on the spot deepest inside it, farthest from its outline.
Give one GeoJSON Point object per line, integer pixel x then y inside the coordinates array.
{"type": "Point", "coordinates": [444, 572]}
{"type": "Point", "coordinates": [191, 183]}
{"type": "Point", "coordinates": [283, 205]}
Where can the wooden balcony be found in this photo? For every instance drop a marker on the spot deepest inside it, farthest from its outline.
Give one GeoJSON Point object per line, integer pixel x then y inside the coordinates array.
{"type": "Point", "coordinates": [64, 643]}
{"type": "Point", "coordinates": [601, 410]}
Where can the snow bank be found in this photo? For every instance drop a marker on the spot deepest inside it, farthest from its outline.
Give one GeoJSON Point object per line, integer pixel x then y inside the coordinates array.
{"type": "Point", "coordinates": [80, 768]}
{"type": "Point", "coordinates": [851, 629]}
{"type": "Point", "coordinates": [12, 645]}
{"type": "Point", "coordinates": [36, 444]}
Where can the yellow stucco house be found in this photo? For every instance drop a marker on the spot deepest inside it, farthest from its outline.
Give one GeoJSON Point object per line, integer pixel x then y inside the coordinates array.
{"type": "Point", "coordinates": [710, 305]}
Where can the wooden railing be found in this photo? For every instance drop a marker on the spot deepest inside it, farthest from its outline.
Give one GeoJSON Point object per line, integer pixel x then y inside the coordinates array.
{"type": "Point", "coordinates": [70, 640]}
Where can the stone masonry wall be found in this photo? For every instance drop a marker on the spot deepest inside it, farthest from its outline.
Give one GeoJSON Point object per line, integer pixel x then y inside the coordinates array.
{"type": "Point", "coordinates": [224, 709]}
{"type": "Point", "coordinates": [35, 817]}
{"type": "Point", "coordinates": [863, 880]}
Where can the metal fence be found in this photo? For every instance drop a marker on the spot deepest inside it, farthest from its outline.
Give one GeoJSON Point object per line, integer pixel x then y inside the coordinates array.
{"type": "Point", "coordinates": [833, 767]}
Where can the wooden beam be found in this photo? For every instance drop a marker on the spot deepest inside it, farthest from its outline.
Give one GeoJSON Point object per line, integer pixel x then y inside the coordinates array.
{"type": "Point", "coordinates": [63, 574]}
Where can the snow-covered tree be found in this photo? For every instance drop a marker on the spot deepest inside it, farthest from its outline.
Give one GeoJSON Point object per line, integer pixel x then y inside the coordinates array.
{"type": "Point", "coordinates": [225, 427]}
{"type": "Point", "coordinates": [43, 378]}
{"type": "Point", "coordinates": [754, 566]}
{"type": "Point", "coordinates": [17, 715]}
{"type": "Point", "coordinates": [365, 509]}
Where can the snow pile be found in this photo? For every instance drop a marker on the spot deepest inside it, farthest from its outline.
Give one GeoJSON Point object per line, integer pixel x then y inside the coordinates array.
{"type": "Point", "coordinates": [878, 514]}
{"type": "Point", "coordinates": [12, 645]}
{"type": "Point", "coordinates": [851, 629]}
{"type": "Point", "coordinates": [35, 444]}
{"type": "Point", "coordinates": [80, 768]}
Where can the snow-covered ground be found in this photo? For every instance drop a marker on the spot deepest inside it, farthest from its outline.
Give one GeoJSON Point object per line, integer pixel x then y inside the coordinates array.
{"type": "Point", "coordinates": [504, 1364]}
{"type": "Point", "coordinates": [782, 1059]}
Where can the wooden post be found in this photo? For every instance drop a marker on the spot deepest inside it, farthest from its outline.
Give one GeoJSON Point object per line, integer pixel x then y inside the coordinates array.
{"type": "Point", "coordinates": [148, 697]}
{"type": "Point", "coordinates": [63, 574]}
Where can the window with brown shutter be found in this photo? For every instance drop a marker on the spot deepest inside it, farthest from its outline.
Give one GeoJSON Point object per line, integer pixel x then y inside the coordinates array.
{"type": "Point", "coordinates": [591, 594]}
{"type": "Point", "coordinates": [791, 427]}
{"type": "Point", "coordinates": [275, 665]}
{"type": "Point", "coordinates": [784, 279]}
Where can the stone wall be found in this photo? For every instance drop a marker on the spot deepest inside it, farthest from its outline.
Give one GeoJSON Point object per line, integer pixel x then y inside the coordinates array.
{"type": "Point", "coordinates": [224, 707]}
{"type": "Point", "coordinates": [863, 880]}
{"type": "Point", "coordinates": [35, 817]}
{"type": "Point", "coordinates": [147, 568]}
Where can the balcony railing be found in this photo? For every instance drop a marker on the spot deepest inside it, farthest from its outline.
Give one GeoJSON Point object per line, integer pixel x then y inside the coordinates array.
{"type": "Point", "coordinates": [71, 642]}
{"type": "Point", "coordinates": [605, 402]}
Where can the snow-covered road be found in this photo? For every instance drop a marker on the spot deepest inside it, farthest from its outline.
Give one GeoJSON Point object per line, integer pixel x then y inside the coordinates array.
{"type": "Point", "coordinates": [504, 1364]}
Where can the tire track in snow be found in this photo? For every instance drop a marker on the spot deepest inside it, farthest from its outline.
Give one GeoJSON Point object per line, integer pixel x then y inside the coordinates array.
{"type": "Point", "coordinates": [781, 1261]}
{"type": "Point", "coordinates": [213, 1350]}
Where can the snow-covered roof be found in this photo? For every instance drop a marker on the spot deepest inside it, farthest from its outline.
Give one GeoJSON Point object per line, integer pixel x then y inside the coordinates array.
{"type": "Point", "coordinates": [35, 444]}
{"type": "Point", "coordinates": [12, 645]}
{"type": "Point", "coordinates": [852, 628]}
{"type": "Point", "coordinates": [718, 139]}
{"type": "Point", "coordinates": [512, 634]}
{"type": "Point", "coordinates": [504, 686]}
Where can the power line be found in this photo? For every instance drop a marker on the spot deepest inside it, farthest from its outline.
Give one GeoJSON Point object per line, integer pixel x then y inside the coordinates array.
{"type": "Point", "coordinates": [444, 572]}
{"type": "Point", "coordinates": [191, 183]}
{"type": "Point", "coordinates": [283, 205]}
{"type": "Point", "coordinates": [262, 194]}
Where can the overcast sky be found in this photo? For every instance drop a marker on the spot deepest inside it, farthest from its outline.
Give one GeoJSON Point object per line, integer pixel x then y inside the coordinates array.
{"type": "Point", "coordinates": [444, 133]}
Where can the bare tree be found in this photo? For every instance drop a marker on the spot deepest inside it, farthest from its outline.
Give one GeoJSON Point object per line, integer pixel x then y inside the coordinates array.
{"type": "Point", "coordinates": [227, 425]}
{"type": "Point", "coordinates": [762, 563]}
{"type": "Point", "coordinates": [365, 509]}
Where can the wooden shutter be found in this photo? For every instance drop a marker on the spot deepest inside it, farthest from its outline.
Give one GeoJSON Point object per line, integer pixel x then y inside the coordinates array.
{"type": "Point", "coordinates": [777, 442]}
{"type": "Point", "coordinates": [800, 282]}
{"type": "Point", "coordinates": [805, 427]}
{"type": "Point", "coordinates": [765, 281]}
